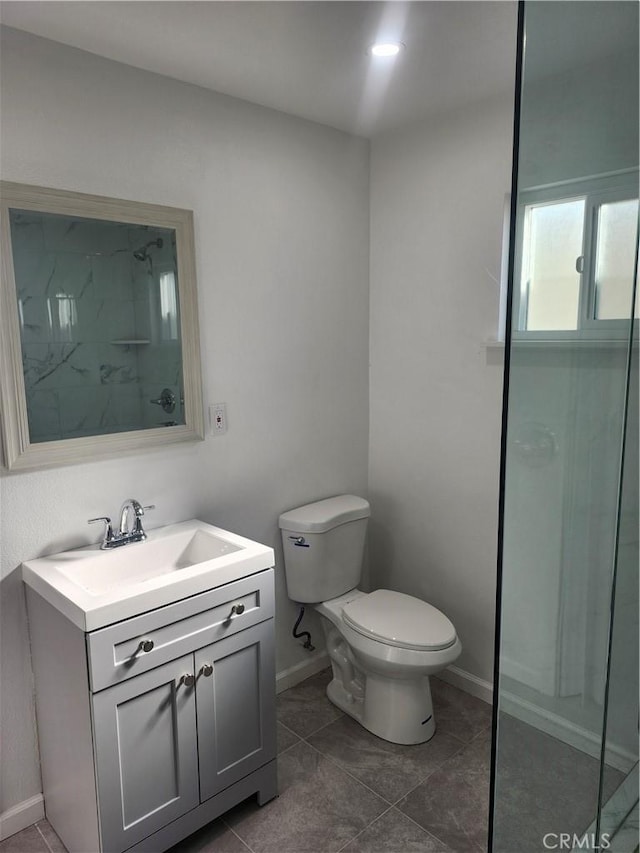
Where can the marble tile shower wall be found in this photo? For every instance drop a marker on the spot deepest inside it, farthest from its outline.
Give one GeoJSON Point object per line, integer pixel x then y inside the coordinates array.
{"type": "Point", "coordinates": [82, 294]}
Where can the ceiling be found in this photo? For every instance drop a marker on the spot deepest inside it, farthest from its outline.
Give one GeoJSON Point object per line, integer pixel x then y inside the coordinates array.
{"type": "Point", "coordinates": [303, 57]}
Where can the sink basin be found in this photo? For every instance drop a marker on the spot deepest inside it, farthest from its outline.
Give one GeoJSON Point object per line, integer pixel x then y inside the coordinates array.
{"type": "Point", "coordinates": [94, 588]}
{"type": "Point", "coordinates": [129, 565]}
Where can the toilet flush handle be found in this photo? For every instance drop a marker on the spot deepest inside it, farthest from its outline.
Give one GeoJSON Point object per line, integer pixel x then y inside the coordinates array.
{"type": "Point", "coordinates": [299, 541]}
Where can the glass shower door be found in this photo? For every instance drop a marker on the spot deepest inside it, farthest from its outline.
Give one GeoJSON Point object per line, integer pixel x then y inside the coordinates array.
{"type": "Point", "coordinates": [566, 688]}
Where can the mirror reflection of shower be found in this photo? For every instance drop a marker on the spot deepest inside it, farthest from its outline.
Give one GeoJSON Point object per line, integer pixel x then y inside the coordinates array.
{"type": "Point", "coordinates": [100, 325]}
{"type": "Point", "coordinates": [142, 254]}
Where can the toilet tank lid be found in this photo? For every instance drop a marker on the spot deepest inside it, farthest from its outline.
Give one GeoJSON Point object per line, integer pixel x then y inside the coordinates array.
{"type": "Point", "coordinates": [323, 515]}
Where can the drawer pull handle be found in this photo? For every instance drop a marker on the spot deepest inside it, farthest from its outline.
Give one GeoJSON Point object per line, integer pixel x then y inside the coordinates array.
{"type": "Point", "coordinates": [188, 680]}
{"type": "Point", "coordinates": [236, 610]}
{"type": "Point", "coordinates": [206, 670]}
{"type": "Point", "coordinates": [146, 646]}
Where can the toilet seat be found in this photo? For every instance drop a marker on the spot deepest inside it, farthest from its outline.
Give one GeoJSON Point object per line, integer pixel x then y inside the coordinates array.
{"type": "Point", "coordinates": [399, 620]}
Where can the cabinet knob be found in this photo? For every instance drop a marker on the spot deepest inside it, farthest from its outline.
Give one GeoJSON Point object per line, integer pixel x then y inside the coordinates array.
{"type": "Point", "coordinates": [188, 680]}
{"type": "Point", "coordinates": [206, 670]}
{"type": "Point", "coordinates": [237, 609]}
{"type": "Point", "coordinates": [145, 645]}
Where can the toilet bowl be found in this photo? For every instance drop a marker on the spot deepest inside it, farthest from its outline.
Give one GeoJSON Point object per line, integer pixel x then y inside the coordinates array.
{"type": "Point", "coordinates": [383, 645]}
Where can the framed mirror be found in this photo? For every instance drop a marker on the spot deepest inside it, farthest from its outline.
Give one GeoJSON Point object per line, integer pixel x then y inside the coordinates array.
{"type": "Point", "coordinates": [100, 340]}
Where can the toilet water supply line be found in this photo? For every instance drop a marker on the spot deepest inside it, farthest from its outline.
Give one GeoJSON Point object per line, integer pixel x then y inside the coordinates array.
{"type": "Point", "coordinates": [298, 634]}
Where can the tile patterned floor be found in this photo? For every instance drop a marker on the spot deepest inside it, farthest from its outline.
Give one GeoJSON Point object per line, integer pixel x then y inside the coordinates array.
{"type": "Point", "coordinates": [543, 786]}
{"type": "Point", "coordinates": [343, 789]}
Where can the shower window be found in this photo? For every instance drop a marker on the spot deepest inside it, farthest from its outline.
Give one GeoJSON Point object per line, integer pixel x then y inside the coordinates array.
{"type": "Point", "coordinates": [614, 258]}
{"type": "Point", "coordinates": [168, 306]}
{"type": "Point", "coordinates": [576, 256]}
{"type": "Point", "coordinates": [550, 281]}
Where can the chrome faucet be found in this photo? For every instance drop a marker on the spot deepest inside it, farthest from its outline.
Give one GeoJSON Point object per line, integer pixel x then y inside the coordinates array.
{"type": "Point", "coordinates": [128, 532]}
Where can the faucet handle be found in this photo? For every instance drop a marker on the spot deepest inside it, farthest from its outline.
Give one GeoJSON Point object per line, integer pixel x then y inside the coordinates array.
{"type": "Point", "coordinates": [108, 530]}
{"type": "Point", "coordinates": [138, 509]}
{"type": "Point", "coordinates": [104, 518]}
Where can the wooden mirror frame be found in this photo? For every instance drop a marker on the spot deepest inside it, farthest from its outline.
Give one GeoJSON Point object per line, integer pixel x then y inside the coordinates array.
{"type": "Point", "coordinates": [19, 451]}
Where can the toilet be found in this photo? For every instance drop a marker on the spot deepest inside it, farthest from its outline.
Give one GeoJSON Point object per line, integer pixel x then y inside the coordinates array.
{"type": "Point", "coordinates": [383, 645]}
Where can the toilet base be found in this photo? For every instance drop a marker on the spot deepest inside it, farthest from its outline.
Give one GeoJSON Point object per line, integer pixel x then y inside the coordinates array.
{"type": "Point", "coordinates": [397, 710]}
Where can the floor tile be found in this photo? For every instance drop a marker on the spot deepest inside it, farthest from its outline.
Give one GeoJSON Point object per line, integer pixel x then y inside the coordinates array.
{"type": "Point", "coordinates": [319, 809]}
{"type": "Point", "coordinates": [458, 713]}
{"type": "Point", "coordinates": [475, 757]}
{"type": "Point", "coordinates": [27, 841]}
{"type": "Point", "coordinates": [216, 837]}
{"type": "Point", "coordinates": [286, 738]}
{"type": "Point", "coordinates": [54, 843]}
{"type": "Point", "coordinates": [389, 769]}
{"type": "Point", "coordinates": [543, 785]}
{"type": "Point", "coordinates": [305, 708]}
{"type": "Point", "coordinates": [395, 833]}
{"type": "Point", "coordinates": [453, 803]}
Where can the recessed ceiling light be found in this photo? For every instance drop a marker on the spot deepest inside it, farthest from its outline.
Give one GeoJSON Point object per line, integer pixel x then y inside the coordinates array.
{"type": "Point", "coordinates": [390, 48]}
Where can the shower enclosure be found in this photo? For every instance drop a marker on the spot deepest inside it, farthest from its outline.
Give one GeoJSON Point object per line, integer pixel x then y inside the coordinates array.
{"type": "Point", "coordinates": [565, 762]}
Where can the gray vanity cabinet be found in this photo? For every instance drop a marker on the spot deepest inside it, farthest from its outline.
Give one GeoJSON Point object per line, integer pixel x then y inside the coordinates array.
{"type": "Point", "coordinates": [230, 702]}
{"type": "Point", "coordinates": [146, 753]}
{"type": "Point", "coordinates": [169, 717]}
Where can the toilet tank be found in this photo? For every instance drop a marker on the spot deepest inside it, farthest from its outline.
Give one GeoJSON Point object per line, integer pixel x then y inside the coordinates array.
{"type": "Point", "coordinates": [323, 546]}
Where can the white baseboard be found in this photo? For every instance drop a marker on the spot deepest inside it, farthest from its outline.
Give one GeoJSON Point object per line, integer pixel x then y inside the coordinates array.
{"type": "Point", "coordinates": [21, 816]}
{"type": "Point", "coordinates": [469, 683]}
{"type": "Point", "coordinates": [305, 669]}
{"type": "Point", "coordinates": [546, 721]}
{"type": "Point", "coordinates": [528, 675]}
{"type": "Point", "coordinates": [452, 675]}
{"type": "Point", "coordinates": [565, 731]}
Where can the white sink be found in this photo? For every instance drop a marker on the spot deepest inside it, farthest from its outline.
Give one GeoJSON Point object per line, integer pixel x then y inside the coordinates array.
{"type": "Point", "coordinates": [129, 565]}
{"type": "Point", "coordinates": [94, 588]}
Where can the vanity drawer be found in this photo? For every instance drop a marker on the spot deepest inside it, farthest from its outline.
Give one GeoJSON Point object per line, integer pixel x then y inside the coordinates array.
{"type": "Point", "coordinates": [118, 652]}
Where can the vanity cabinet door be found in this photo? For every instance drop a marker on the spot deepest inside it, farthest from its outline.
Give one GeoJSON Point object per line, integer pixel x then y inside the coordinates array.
{"type": "Point", "coordinates": [235, 697]}
{"type": "Point", "coordinates": [146, 753]}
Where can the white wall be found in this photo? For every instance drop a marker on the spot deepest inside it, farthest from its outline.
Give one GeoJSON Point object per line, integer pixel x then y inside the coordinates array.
{"type": "Point", "coordinates": [581, 122]}
{"type": "Point", "coordinates": [560, 522]}
{"type": "Point", "coordinates": [281, 217]}
{"type": "Point", "coordinates": [437, 205]}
